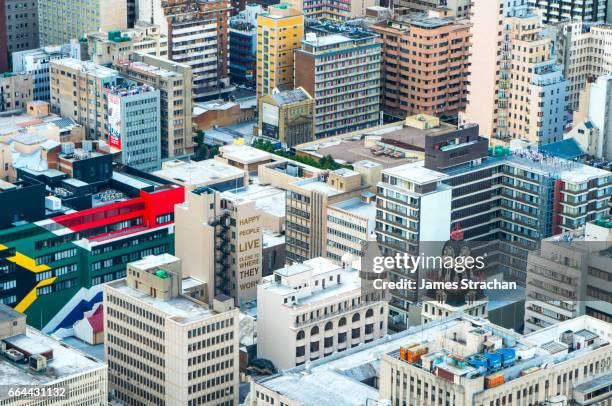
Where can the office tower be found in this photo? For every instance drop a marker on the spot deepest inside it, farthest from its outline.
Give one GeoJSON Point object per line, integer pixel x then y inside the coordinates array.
{"type": "Point", "coordinates": [197, 34]}
{"type": "Point", "coordinates": [582, 50]}
{"type": "Point", "coordinates": [350, 225]}
{"type": "Point", "coordinates": [77, 91]}
{"type": "Point", "coordinates": [347, 90]}
{"type": "Point", "coordinates": [332, 11]}
{"type": "Point", "coordinates": [18, 29]}
{"type": "Point", "coordinates": [517, 369]}
{"type": "Point", "coordinates": [60, 22]}
{"type": "Point", "coordinates": [520, 92]}
{"type": "Point", "coordinates": [16, 90]}
{"type": "Point", "coordinates": [570, 276]}
{"type": "Point", "coordinates": [218, 238]}
{"type": "Point", "coordinates": [134, 125]}
{"type": "Point", "coordinates": [296, 324]}
{"type": "Point", "coordinates": [567, 10]}
{"type": "Point", "coordinates": [174, 83]}
{"type": "Point", "coordinates": [459, 8]}
{"type": "Point", "coordinates": [162, 345]}
{"type": "Point", "coordinates": [592, 126]}
{"type": "Point", "coordinates": [106, 48]}
{"type": "Point", "coordinates": [425, 64]}
{"type": "Point", "coordinates": [54, 275]}
{"type": "Point", "coordinates": [30, 357]}
{"type": "Point", "coordinates": [279, 35]}
{"type": "Point", "coordinates": [456, 185]}
{"type": "Point", "coordinates": [287, 116]}
{"type": "Point", "coordinates": [243, 45]}
{"type": "Point", "coordinates": [36, 63]}
{"type": "Point", "coordinates": [306, 211]}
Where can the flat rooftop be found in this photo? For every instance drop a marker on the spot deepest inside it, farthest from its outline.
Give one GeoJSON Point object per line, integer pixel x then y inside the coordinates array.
{"type": "Point", "coordinates": [67, 361]}
{"type": "Point", "coordinates": [269, 199]}
{"type": "Point", "coordinates": [86, 66]}
{"type": "Point", "coordinates": [357, 207]}
{"type": "Point", "coordinates": [416, 172]}
{"type": "Point", "coordinates": [318, 185]}
{"type": "Point", "coordinates": [246, 154]}
{"type": "Point", "coordinates": [198, 173]}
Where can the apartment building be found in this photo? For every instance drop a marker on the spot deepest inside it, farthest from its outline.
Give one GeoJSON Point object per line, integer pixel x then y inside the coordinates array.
{"type": "Point", "coordinates": [18, 29]}
{"type": "Point", "coordinates": [350, 225]}
{"type": "Point", "coordinates": [60, 22]}
{"type": "Point", "coordinates": [287, 116]}
{"type": "Point", "coordinates": [279, 35]}
{"type": "Point", "coordinates": [515, 198]}
{"type": "Point", "coordinates": [340, 11]}
{"type": "Point", "coordinates": [306, 210]}
{"type": "Point", "coordinates": [162, 345]}
{"type": "Point", "coordinates": [520, 92]}
{"type": "Point", "coordinates": [36, 63]}
{"type": "Point", "coordinates": [77, 91]}
{"type": "Point", "coordinates": [226, 231]}
{"type": "Point", "coordinates": [134, 125]}
{"type": "Point", "coordinates": [16, 91]}
{"type": "Point", "coordinates": [571, 10]}
{"type": "Point", "coordinates": [243, 45]}
{"type": "Point", "coordinates": [425, 64]}
{"type": "Point", "coordinates": [173, 80]}
{"type": "Point", "coordinates": [531, 369]}
{"type": "Point", "coordinates": [197, 33]}
{"type": "Point", "coordinates": [34, 357]}
{"type": "Point", "coordinates": [459, 8]}
{"type": "Point", "coordinates": [582, 50]}
{"type": "Point", "coordinates": [106, 48]}
{"type": "Point", "coordinates": [339, 66]}
{"type": "Point", "coordinates": [570, 276]}
{"type": "Point", "coordinates": [313, 309]}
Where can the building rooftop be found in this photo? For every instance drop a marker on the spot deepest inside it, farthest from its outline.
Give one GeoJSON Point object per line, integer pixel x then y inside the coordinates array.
{"type": "Point", "coordinates": [151, 70]}
{"type": "Point", "coordinates": [290, 96]}
{"type": "Point", "coordinates": [268, 199]}
{"type": "Point", "coordinates": [198, 173]}
{"type": "Point", "coordinates": [416, 172]}
{"type": "Point", "coordinates": [246, 154]}
{"type": "Point", "coordinates": [86, 66]}
{"type": "Point", "coordinates": [317, 184]}
{"type": "Point", "coordinates": [357, 207]}
{"type": "Point", "coordinates": [66, 361]}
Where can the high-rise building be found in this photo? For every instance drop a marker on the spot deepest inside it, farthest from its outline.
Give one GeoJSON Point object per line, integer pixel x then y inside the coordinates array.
{"type": "Point", "coordinates": [582, 51]}
{"type": "Point", "coordinates": [31, 357]}
{"type": "Point", "coordinates": [456, 186]}
{"type": "Point", "coordinates": [16, 91]}
{"type": "Point", "coordinates": [425, 64]}
{"type": "Point", "coordinates": [197, 33]}
{"type": "Point", "coordinates": [287, 116]}
{"type": "Point", "coordinates": [77, 91]}
{"type": "Point", "coordinates": [106, 48]}
{"type": "Point", "coordinates": [218, 238]}
{"type": "Point", "coordinates": [59, 22]}
{"type": "Point", "coordinates": [313, 309]}
{"type": "Point", "coordinates": [134, 125]}
{"type": "Point", "coordinates": [339, 66]}
{"type": "Point", "coordinates": [520, 92]}
{"type": "Point", "coordinates": [36, 63]}
{"type": "Point", "coordinates": [592, 126]}
{"type": "Point", "coordinates": [174, 81]}
{"type": "Point", "coordinates": [243, 45]}
{"type": "Point", "coordinates": [570, 276]}
{"type": "Point", "coordinates": [279, 35]}
{"type": "Point", "coordinates": [567, 10]}
{"type": "Point", "coordinates": [162, 345]}
{"type": "Point", "coordinates": [18, 29]}
{"type": "Point", "coordinates": [459, 8]}
{"type": "Point", "coordinates": [342, 11]}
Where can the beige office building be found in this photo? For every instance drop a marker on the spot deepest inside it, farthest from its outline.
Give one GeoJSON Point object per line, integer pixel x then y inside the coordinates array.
{"type": "Point", "coordinates": [568, 278]}
{"type": "Point", "coordinates": [118, 46]}
{"type": "Point", "coordinates": [163, 346]}
{"type": "Point", "coordinates": [78, 91]}
{"type": "Point", "coordinates": [34, 358]}
{"type": "Point", "coordinates": [584, 51]}
{"type": "Point", "coordinates": [306, 210]}
{"type": "Point", "coordinates": [314, 309]}
{"type": "Point", "coordinates": [218, 238]}
{"type": "Point", "coordinates": [174, 81]}
{"type": "Point", "coordinates": [16, 91]}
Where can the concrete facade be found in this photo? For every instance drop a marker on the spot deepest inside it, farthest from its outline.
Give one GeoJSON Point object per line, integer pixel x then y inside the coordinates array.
{"type": "Point", "coordinates": [16, 91]}
{"type": "Point", "coordinates": [18, 29]}
{"type": "Point", "coordinates": [287, 116]}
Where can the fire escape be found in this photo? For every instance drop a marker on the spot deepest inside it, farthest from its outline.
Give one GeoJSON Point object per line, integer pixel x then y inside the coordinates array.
{"type": "Point", "coordinates": [222, 253]}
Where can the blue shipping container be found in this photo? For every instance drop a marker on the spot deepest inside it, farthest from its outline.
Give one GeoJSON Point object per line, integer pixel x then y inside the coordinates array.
{"type": "Point", "coordinates": [508, 356]}
{"type": "Point", "coordinates": [494, 361]}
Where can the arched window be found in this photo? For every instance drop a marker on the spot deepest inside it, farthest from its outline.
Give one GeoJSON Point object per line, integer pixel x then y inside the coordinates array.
{"type": "Point", "coordinates": [356, 317]}
{"type": "Point", "coordinates": [314, 331]}
{"type": "Point", "coordinates": [329, 325]}
{"type": "Point", "coordinates": [342, 321]}
{"type": "Point", "coordinates": [370, 313]}
{"type": "Point", "coordinates": [301, 335]}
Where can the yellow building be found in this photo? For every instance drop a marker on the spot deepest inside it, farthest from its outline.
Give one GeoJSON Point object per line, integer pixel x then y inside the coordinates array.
{"type": "Point", "coordinates": [279, 33]}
